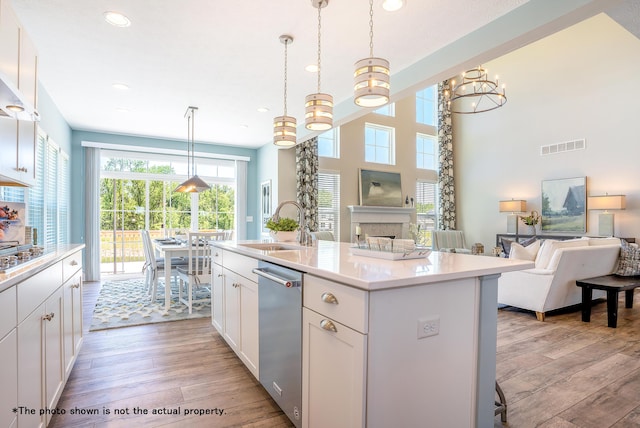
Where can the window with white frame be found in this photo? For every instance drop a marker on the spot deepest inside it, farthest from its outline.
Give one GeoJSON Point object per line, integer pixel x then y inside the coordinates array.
{"type": "Point", "coordinates": [426, 151]}
{"type": "Point", "coordinates": [329, 143]}
{"type": "Point", "coordinates": [427, 106]}
{"type": "Point", "coordinates": [329, 202]}
{"type": "Point", "coordinates": [379, 144]}
{"type": "Point", "coordinates": [426, 212]}
{"type": "Point", "coordinates": [388, 109]}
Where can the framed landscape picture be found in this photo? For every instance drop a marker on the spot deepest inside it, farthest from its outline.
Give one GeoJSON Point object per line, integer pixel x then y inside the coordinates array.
{"type": "Point", "coordinates": [380, 189]}
{"type": "Point", "coordinates": [564, 204]}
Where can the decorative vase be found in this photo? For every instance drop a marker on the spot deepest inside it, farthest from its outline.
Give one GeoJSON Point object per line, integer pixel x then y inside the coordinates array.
{"type": "Point", "coordinates": [531, 229]}
{"type": "Point", "coordinates": [283, 236]}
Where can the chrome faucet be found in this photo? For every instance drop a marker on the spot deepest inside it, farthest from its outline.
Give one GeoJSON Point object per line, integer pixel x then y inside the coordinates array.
{"type": "Point", "coordinates": [304, 237]}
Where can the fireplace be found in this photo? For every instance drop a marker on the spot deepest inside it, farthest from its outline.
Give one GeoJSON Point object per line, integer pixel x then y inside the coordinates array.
{"type": "Point", "coordinates": [380, 221]}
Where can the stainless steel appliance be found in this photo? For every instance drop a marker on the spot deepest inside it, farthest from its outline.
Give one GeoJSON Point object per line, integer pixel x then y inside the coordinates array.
{"type": "Point", "coordinates": [280, 336]}
{"type": "Point", "coordinates": [14, 256]}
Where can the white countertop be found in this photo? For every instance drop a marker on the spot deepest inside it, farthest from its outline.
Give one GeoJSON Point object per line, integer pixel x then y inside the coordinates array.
{"type": "Point", "coordinates": [334, 261]}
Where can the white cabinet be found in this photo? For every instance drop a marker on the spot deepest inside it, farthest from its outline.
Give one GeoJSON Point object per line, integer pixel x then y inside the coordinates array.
{"type": "Point", "coordinates": [9, 42]}
{"type": "Point", "coordinates": [72, 299]}
{"type": "Point", "coordinates": [235, 305]}
{"type": "Point", "coordinates": [9, 358]}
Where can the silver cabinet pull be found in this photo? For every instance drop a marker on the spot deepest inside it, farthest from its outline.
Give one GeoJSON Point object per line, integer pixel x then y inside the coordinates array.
{"type": "Point", "coordinates": [220, 275]}
{"type": "Point", "coordinates": [74, 263]}
{"type": "Point", "coordinates": [21, 169]}
{"type": "Point", "coordinates": [216, 255]}
{"type": "Point", "coordinates": [328, 325]}
{"type": "Point", "coordinates": [48, 317]}
{"type": "Point", "coordinates": [75, 285]}
{"type": "Point", "coordinates": [329, 298]}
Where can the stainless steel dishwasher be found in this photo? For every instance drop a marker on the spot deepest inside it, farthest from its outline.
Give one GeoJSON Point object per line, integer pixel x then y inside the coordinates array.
{"type": "Point", "coordinates": [280, 336]}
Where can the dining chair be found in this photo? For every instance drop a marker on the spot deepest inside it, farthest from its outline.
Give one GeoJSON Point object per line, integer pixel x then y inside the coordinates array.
{"type": "Point", "coordinates": [324, 235]}
{"type": "Point", "coordinates": [195, 279]}
{"type": "Point", "coordinates": [155, 265]}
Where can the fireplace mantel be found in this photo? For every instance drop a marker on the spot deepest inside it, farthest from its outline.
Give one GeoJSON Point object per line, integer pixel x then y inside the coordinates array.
{"type": "Point", "coordinates": [365, 215]}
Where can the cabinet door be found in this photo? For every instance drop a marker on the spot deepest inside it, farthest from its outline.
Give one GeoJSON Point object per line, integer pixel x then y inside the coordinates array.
{"type": "Point", "coordinates": [30, 356]}
{"type": "Point", "coordinates": [26, 163]}
{"type": "Point", "coordinates": [53, 349]}
{"type": "Point", "coordinates": [27, 72]}
{"type": "Point", "coordinates": [9, 42]}
{"type": "Point", "coordinates": [9, 144]}
{"type": "Point", "coordinates": [232, 309]}
{"type": "Point", "coordinates": [72, 320]}
{"type": "Point", "coordinates": [333, 373]}
{"type": "Point", "coordinates": [8, 378]}
{"type": "Point", "coordinates": [217, 298]}
{"type": "Point", "coordinates": [249, 348]}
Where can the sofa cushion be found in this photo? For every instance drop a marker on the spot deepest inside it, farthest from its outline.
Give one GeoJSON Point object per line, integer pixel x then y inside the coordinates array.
{"type": "Point", "coordinates": [549, 246]}
{"type": "Point", "coordinates": [629, 260]}
{"type": "Point", "coordinates": [520, 252]}
{"type": "Point", "coordinates": [604, 241]}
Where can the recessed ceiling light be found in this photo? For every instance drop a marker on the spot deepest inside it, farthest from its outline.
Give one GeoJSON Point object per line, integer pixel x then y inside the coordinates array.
{"type": "Point", "coordinates": [116, 19]}
{"type": "Point", "coordinates": [244, 126]}
{"type": "Point", "coordinates": [123, 110]}
{"type": "Point", "coordinates": [120, 86]}
{"type": "Point", "coordinates": [393, 5]}
{"type": "Point", "coordinates": [312, 68]}
{"type": "Point", "coordinates": [263, 109]}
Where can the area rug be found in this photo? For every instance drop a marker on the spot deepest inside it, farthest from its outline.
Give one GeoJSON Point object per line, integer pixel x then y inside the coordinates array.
{"type": "Point", "coordinates": [125, 303]}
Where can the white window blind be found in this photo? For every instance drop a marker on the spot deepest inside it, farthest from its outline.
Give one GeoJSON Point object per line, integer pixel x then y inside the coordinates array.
{"type": "Point", "coordinates": [63, 198]}
{"type": "Point", "coordinates": [36, 193]}
{"type": "Point", "coordinates": [51, 195]}
{"type": "Point", "coordinates": [329, 202]}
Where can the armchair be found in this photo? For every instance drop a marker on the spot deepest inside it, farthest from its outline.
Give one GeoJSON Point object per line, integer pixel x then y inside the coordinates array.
{"type": "Point", "coordinates": [451, 241]}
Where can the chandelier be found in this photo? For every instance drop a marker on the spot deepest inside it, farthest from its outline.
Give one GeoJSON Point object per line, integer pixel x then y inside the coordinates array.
{"type": "Point", "coordinates": [476, 93]}
{"type": "Point", "coordinates": [194, 183]}
{"type": "Point", "coordinates": [371, 77]}
{"type": "Point", "coordinates": [319, 107]}
{"type": "Point", "coordinates": [284, 127]}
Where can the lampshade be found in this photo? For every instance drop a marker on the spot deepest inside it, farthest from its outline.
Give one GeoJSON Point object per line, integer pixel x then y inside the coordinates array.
{"type": "Point", "coordinates": [284, 127]}
{"type": "Point", "coordinates": [606, 202]}
{"type": "Point", "coordinates": [193, 184]}
{"type": "Point", "coordinates": [513, 206]}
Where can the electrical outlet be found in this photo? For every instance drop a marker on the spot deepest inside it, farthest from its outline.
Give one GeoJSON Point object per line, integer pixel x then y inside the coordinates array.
{"type": "Point", "coordinates": [428, 327]}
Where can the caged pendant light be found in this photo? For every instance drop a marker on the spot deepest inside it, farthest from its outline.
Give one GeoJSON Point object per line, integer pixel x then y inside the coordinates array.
{"type": "Point", "coordinates": [476, 93]}
{"type": "Point", "coordinates": [371, 77]}
{"type": "Point", "coordinates": [284, 127]}
{"type": "Point", "coordinates": [193, 183]}
{"type": "Point", "coordinates": [319, 106]}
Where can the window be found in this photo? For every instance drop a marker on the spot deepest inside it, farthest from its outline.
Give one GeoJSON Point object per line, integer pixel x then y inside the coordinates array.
{"type": "Point", "coordinates": [329, 202]}
{"type": "Point", "coordinates": [329, 143]}
{"type": "Point", "coordinates": [426, 152]}
{"type": "Point", "coordinates": [388, 109]}
{"type": "Point", "coordinates": [426, 209]}
{"type": "Point", "coordinates": [427, 106]}
{"type": "Point", "coordinates": [379, 144]}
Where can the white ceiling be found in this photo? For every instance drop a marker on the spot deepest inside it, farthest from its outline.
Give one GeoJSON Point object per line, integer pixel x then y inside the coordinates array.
{"type": "Point", "coordinates": [225, 58]}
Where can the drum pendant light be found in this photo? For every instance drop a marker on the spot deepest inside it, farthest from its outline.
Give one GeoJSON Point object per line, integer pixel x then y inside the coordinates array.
{"type": "Point", "coordinates": [194, 183]}
{"type": "Point", "coordinates": [284, 127]}
{"type": "Point", "coordinates": [319, 106]}
{"type": "Point", "coordinates": [371, 77]}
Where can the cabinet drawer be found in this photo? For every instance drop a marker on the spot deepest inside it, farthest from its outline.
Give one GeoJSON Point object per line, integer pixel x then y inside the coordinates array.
{"type": "Point", "coordinates": [342, 303]}
{"type": "Point", "coordinates": [242, 265]}
{"type": "Point", "coordinates": [8, 317]}
{"type": "Point", "coordinates": [71, 264]}
{"type": "Point", "coordinates": [35, 290]}
{"type": "Point", "coordinates": [216, 255]}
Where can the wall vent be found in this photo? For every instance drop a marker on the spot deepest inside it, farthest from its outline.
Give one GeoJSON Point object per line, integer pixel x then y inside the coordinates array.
{"type": "Point", "coordinates": [566, 146]}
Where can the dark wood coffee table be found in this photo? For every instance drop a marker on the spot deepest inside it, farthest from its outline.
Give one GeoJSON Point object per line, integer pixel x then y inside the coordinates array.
{"type": "Point", "coordinates": [612, 284]}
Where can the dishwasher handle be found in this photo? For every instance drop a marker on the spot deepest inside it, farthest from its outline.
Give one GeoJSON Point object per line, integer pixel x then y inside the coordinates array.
{"type": "Point", "coordinates": [270, 276]}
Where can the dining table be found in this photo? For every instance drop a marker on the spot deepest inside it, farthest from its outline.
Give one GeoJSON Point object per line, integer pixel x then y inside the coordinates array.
{"type": "Point", "coordinates": [169, 248]}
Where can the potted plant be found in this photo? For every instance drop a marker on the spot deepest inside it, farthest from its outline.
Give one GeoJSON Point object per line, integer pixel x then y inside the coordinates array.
{"type": "Point", "coordinates": [531, 221]}
{"type": "Point", "coordinates": [284, 229]}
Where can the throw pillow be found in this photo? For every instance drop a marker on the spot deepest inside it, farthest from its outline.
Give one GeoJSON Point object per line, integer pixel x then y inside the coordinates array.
{"type": "Point", "coordinates": [506, 244]}
{"type": "Point", "coordinates": [604, 241]}
{"type": "Point", "coordinates": [520, 252]}
{"type": "Point", "coordinates": [549, 246]}
{"type": "Point", "coordinates": [629, 261]}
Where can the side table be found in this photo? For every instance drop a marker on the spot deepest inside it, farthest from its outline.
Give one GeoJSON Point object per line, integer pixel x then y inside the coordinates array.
{"type": "Point", "coordinates": [612, 284]}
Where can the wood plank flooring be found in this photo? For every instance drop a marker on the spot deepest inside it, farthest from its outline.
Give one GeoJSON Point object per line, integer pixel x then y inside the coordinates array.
{"type": "Point", "coordinates": [561, 373]}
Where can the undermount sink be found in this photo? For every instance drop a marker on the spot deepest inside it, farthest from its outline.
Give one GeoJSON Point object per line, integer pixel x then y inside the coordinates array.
{"type": "Point", "coordinates": [271, 246]}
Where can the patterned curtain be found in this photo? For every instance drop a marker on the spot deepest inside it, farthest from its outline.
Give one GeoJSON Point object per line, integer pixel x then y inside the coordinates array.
{"type": "Point", "coordinates": [307, 180]}
{"type": "Point", "coordinates": [446, 197]}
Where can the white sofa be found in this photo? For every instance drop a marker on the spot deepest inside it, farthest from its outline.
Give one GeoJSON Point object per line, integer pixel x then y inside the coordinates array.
{"type": "Point", "coordinates": [552, 283]}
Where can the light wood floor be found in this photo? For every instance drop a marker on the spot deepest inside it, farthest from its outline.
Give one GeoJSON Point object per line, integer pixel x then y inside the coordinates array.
{"type": "Point", "coordinates": [562, 373]}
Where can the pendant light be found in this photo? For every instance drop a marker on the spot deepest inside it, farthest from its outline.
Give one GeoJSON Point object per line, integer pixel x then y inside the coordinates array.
{"type": "Point", "coordinates": [476, 93]}
{"type": "Point", "coordinates": [371, 77]}
{"type": "Point", "coordinates": [319, 106]}
{"type": "Point", "coordinates": [284, 127]}
{"type": "Point", "coordinates": [194, 183]}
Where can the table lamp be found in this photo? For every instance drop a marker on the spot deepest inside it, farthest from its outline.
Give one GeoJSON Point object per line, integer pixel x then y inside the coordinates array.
{"type": "Point", "coordinates": [513, 206]}
{"type": "Point", "coordinates": [606, 202]}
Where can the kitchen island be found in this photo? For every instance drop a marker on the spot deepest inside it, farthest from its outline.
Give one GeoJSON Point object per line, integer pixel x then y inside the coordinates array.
{"type": "Point", "coordinates": [408, 343]}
